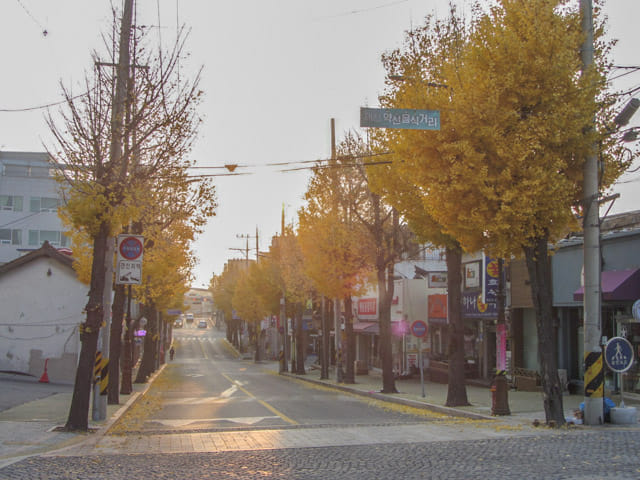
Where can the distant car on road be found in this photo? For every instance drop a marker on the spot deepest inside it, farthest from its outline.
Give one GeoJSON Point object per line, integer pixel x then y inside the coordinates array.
{"type": "Point", "coordinates": [202, 324]}
{"type": "Point", "coordinates": [178, 323]}
{"type": "Point", "coordinates": [189, 317]}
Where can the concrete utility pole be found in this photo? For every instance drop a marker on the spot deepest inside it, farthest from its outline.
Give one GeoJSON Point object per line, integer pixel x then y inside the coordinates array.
{"type": "Point", "coordinates": [336, 301]}
{"type": "Point", "coordinates": [283, 308]}
{"type": "Point", "coordinates": [593, 363]}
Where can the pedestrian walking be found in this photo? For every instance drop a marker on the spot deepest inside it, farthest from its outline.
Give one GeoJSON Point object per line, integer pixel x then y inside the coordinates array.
{"type": "Point", "coordinates": [172, 352]}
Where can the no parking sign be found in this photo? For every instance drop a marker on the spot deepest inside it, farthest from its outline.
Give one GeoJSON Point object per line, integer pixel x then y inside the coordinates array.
{"type": "Point", "coordinates": [129, 261]}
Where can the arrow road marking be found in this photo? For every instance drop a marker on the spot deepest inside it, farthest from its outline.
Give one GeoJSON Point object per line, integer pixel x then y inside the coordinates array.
{"type": "Point", "coordinates": [262, 402]}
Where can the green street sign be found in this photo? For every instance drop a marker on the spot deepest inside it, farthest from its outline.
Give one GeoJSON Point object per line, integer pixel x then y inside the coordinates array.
{"type": "Point", "coordinates": [402, 118]}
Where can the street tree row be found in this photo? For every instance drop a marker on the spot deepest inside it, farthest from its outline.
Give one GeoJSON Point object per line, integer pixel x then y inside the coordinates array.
{"type": "Point", "coordinates": [123, 149]}
{"type": "Point", "coordinates": [519, 114]}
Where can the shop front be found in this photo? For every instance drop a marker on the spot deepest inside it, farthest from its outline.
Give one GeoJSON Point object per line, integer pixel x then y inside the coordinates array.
{"type": "Point", "coordinates": [479, 314]}
{"type": "Point", "coordinates": [620, 292]}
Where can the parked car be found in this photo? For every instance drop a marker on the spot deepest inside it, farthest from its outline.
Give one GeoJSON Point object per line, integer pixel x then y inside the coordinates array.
{"type": "Point", "coordinates": [202, 324]}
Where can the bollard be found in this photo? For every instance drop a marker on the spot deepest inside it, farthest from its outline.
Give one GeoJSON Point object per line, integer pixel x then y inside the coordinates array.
{"type": "Point", "coordinates": [500, 395]}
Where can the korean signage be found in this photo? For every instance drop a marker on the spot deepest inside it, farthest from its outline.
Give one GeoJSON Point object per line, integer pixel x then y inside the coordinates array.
{"type": "Point", "coordinates": [367, 308]}
{"type": "Point", "coordinates": [437, 305]}
{"type": "Point", "coordinates": [479, 298]}
{"type": "Point", "coordinates": [403, 118]}
{"type": "Point", "coordinates": [129, 259]}
{"type": "Point", "coordinates": [438, 280]}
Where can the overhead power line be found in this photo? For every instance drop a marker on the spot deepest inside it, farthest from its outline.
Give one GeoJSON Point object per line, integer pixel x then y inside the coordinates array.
{"type": "Point", "coordinates": [41, 107]}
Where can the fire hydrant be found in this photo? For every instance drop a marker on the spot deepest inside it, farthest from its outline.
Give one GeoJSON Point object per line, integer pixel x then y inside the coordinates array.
{"type": "Point", "coordinates": [500, 394]}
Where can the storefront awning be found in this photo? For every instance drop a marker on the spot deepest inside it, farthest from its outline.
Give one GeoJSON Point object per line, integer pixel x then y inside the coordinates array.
{"type": "Point", "coordinates": [620, 285]}
{"type": "Point", "coordinates": [371, 328]}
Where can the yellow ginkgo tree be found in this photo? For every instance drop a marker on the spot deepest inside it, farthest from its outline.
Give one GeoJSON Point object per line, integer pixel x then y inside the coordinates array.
{"type": "Point", "coordinates": [504, 173]}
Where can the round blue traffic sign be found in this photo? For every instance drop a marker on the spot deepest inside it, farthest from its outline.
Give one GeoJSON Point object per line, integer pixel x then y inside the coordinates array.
{"type": "Point", "coordinates": [618, 353]}
{"type": "Point", "coordinates": [419, 328]}
{"type": "Point", "coordinates": [131, 248]}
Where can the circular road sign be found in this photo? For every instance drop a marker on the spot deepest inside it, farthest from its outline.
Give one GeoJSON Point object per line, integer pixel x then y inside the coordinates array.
{"type": "Point", "coordinates": [618, 353]}
{"type": "Point", "coordinates": [419, 328]}
{"type": "Point", "coordinates": [131, 248]}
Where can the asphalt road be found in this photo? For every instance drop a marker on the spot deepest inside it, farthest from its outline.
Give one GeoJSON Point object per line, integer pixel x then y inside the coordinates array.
{"type": "Point", "coordinates": [219, 417]}
{"type": "Point", "coordinates": [18, 389]}
{"type": "Point", "coordinates": [211, 389]}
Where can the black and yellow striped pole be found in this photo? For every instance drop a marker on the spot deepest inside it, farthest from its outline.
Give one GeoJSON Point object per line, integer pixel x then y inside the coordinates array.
{"type": "Point", "coordinates": [594, 386]}
{"type": "Point", "coordinates": [104, 376]}
{"type": "Point", "coordinates": [96, 367]}
{"type": "Point", "coordinates": [101, 372]}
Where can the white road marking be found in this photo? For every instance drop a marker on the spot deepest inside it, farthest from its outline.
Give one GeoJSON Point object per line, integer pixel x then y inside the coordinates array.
{"type": "Point", "coordinates": [181, 422]}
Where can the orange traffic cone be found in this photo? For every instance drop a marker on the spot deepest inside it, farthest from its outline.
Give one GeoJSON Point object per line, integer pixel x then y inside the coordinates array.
{"type": "Point", "coordinates": [45, 378]}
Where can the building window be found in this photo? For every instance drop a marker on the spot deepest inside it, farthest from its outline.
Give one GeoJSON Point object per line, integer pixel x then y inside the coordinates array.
{"type": "Point", "coordinates": [15, 170]}
{"type": "Point", "coordinates": [10, 237]}
{"type": "Point", "coordinates": [44, 204]}
{"type": "Point", "coordinates": [55, 238]}
{"type": "Point", "coordinates": [10, 203]}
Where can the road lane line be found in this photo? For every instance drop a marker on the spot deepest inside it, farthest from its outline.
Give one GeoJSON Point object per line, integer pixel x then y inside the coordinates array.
{"type": "Point", "coordinates": [202, 350]}
{"type": "Point", "coordinates": [262, 402]}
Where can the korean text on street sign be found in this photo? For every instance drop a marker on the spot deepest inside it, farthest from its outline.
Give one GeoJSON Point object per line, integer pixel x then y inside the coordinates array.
{"type": "Point", "coordinates": [419, 328]}
{"type": "Point", "coordinates": [402, 118]}
{"type": "Point", "coordinates": [618, 353]}
{"type": "Point", "coordinates": [129, 259]}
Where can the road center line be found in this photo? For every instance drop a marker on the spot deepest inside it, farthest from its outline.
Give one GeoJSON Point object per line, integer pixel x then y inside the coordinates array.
{"type": "Point", "coordinates": [262, 402]}
{"type": "Point", "coordinates": [202, 350]}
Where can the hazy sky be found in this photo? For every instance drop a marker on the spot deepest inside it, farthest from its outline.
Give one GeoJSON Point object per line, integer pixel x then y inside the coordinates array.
{"type": "Point", "coordinates": [275, 72]}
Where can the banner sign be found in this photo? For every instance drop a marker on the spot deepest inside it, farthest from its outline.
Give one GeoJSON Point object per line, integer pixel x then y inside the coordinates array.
{"type": "Point", "coordinates": [367, 308]}
{"type": "Point", "coordinates": [437, 308]}
{"type": "Point", "coordinates": [473, 304]}
{"type": "Point", "coordinates": [403, 118]}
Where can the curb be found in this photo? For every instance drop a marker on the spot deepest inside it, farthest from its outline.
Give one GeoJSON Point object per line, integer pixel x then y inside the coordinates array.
{"type": "Point", "coordinates": [134, 398]}
{"type": "Point", "coordinates": [94, 438]}
{"type": "Point", "coordinates": [232, 348]}
{"type": "Point", "coordinates": [454, 412]}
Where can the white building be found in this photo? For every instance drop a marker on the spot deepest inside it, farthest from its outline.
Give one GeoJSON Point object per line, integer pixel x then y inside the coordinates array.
{"type": "Point", "coordinates": [29, 199]}
{"type": "Point", "coordinates": [42, 306]}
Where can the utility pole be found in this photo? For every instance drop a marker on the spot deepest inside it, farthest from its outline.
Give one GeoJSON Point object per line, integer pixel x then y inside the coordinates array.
{"type": "Point", "coordinates": [324, 366]}
{"type": "Point", "coordinates": [593, 362]}
{"type": "Point", "coordinates": [336, 301]}
{"type": "Point", "coordinates": [247, 237]}
{"type": "Point", "coordinates": [283, 307]}
{"type": "Point", "coordinates": [99, 411]}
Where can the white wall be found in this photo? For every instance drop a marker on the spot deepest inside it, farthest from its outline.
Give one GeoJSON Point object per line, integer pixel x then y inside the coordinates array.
{"type": "Point", "coordinates": [39, 319]}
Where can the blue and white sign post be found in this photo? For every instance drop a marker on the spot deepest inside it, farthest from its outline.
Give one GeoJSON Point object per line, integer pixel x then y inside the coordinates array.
{"type": "Point", "coordinates": [618, 354]}
{"type": "Point", "coordinates": [419, 329]}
